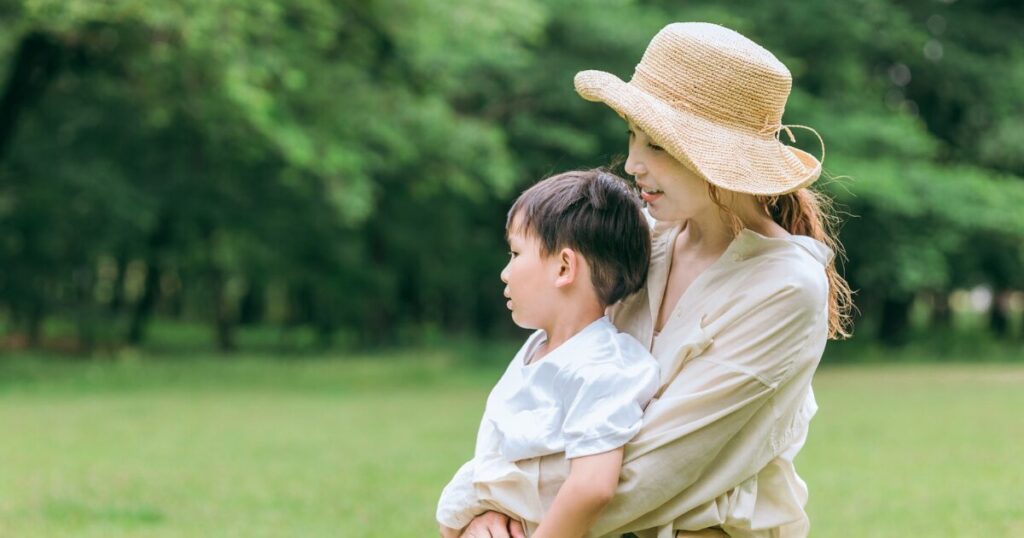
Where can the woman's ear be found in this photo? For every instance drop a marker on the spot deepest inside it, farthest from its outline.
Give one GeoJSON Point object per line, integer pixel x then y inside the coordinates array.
{"type": "Point", "coordinates": [568, 267]}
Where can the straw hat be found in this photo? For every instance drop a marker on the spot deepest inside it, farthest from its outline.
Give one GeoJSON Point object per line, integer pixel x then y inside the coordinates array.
{"type": "Point", "coordinates": [714, 100]}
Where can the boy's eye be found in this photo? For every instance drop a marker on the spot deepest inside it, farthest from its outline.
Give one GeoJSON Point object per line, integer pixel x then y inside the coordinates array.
{"type": "Point", "coordinates": [512, 254]}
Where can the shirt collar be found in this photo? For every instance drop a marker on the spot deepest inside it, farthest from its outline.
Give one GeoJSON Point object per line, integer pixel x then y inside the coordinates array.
{"type": "Point", "coordinates": [749, 243]}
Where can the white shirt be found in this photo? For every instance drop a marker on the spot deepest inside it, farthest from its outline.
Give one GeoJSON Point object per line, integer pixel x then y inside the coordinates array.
{"type": "Point", "coordinates": [585, 397]}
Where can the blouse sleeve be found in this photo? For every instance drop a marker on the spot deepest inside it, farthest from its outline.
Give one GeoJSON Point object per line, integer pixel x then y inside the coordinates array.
{"type": "Point", "coordinates": [459, 503]}
{"type": "Point", "coordinates": [711, 428]}
{"type": "Point", "coordinates": [605, 405]}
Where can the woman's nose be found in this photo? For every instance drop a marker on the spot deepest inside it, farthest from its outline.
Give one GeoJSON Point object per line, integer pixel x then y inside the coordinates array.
{"type": "Point", "coordinates": [633, 165]}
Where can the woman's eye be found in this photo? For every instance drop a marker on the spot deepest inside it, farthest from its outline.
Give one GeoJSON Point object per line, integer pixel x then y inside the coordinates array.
{"type": "Point", "coordinates": [655, 147]}
{"type": "Point", "coordinates": [630, 134]}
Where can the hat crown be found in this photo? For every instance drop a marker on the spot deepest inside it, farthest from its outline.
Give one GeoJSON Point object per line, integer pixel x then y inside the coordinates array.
{"type": "Point", "coordinates": [715, 73]}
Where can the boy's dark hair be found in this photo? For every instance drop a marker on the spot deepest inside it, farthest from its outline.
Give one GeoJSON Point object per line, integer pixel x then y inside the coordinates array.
{"type": "Point", "coordinates": [595, 213]}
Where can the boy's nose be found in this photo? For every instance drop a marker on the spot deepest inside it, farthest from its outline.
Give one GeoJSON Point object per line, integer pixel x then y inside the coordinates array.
{"type": "Point", "coordinates": [504, 275]}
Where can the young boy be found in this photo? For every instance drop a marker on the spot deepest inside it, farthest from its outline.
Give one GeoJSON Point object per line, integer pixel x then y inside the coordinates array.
{"type": "Point", "coordinates": [579, 243]}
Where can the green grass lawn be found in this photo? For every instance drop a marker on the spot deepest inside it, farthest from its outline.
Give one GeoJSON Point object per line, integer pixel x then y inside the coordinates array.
{"type": "Point", "coordinates": [361, 447]}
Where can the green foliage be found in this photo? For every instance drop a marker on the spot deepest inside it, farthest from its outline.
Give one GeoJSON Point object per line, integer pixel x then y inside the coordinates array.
{"type": "Point", "coordinates": [346, 166]}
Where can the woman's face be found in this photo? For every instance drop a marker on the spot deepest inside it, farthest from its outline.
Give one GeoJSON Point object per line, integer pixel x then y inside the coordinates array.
{"type": "Point", "coordinates": [671, 190]}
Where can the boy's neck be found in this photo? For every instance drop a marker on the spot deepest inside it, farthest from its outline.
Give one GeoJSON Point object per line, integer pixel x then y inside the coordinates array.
{"type": "Point", "coordinates": [564, 327]}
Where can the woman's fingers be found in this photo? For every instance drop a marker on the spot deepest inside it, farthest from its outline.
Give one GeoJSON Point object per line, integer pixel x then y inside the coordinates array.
{"type": "Point", "coordinates": [516, 528]}
{"type": "Point", "coordinates": [494, 525]}
{"type": "Point", "coordinates": [487, 525]}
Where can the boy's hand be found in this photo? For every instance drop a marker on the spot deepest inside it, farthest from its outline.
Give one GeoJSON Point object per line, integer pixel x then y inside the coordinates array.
{"type": "Point", "coordinates": [448, 532]}
{"type": "Point", "coordinates": [493, 525]}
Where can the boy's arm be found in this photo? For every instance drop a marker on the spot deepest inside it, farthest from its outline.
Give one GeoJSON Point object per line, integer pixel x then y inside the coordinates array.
{"type": "Point", "coordinates": [589, 487]}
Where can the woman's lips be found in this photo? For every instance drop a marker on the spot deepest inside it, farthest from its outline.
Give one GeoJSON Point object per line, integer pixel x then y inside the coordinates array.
{"type": "Point", "coordinates": [650, 196]}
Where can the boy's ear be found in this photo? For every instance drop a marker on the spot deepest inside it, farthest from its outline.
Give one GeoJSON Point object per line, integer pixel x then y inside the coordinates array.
{"type": "Point", "coordinates": [568, 267]}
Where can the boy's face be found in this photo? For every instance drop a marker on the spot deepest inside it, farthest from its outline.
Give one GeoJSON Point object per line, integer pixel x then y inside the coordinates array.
{"type": "Point", "coordinates": [529, 279]}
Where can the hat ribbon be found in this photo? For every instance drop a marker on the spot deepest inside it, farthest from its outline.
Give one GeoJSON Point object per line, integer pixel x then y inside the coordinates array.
{"type": "Point", "coordinates": [777, 129]}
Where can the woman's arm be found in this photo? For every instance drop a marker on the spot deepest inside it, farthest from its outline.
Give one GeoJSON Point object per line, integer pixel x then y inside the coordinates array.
{"type": "Point", "coordinates": [589, 488]}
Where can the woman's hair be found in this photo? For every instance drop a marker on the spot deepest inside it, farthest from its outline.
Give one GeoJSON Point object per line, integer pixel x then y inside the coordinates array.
{"type": "Point", "coordinates": [810, 213]}
{"type": "Point", "coordinates": [595, 213]}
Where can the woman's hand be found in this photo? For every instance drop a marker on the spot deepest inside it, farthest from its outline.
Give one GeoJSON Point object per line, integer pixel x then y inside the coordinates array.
{"type": "Point", "coordinates": [493, 525]}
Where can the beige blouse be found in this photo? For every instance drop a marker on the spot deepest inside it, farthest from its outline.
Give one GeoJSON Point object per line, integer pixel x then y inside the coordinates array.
{"type": "Point", "coordinates": [737, 355]}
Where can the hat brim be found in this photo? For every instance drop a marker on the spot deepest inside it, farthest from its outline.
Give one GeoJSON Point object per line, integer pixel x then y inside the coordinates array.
{"type": "Point", "coordinates": [729, 157]}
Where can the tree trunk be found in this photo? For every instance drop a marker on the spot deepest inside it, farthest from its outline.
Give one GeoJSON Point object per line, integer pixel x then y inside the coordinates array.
{"type": "Point", "coordinates": [144, 307]}
{"type": "Point", "coordinates": [998, 320]}
{"type": "Point", "coordinates": [484, 307]}
{"type": "Point", "coordinates": [251, 306]}
{"type": "Point", "coordinates": [224, 322]}
{"type": "Point", "coordinates": [324, 335]}
{"type": "Point", "coordinates": [83, 282]}
{"type": "Point", "coordinates": [35, 65]}
{"type": "Point", "coordinates": [34, 325]}
{"type": "Point", "coordinates": [895, 323]}
{"type": "Point", "coordinates": [942, 314]}
{"type": "Point", "coordinates": [158, 241]}
{"type": "Point", "coordinates": [117, 297]}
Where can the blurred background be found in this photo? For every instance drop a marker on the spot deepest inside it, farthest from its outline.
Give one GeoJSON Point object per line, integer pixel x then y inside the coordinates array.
{"type": "Point", "coordinates": [204, 196]}
{"type": "Point", "coordinates": [344, 168]}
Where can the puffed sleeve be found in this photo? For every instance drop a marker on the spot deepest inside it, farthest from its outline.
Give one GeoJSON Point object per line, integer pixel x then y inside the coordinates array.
{"type": "Point", "coordinates": [459, 503]}
{"type": "Point", "coordinates": [605, 403]}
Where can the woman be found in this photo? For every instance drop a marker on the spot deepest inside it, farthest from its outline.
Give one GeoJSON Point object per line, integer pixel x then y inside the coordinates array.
{"type": "Point", "coordinates": [741, 297]}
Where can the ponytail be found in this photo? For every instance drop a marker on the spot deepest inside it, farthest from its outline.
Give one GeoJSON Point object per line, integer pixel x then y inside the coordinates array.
{"type": "Point", "coordinates": [810, 213]}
